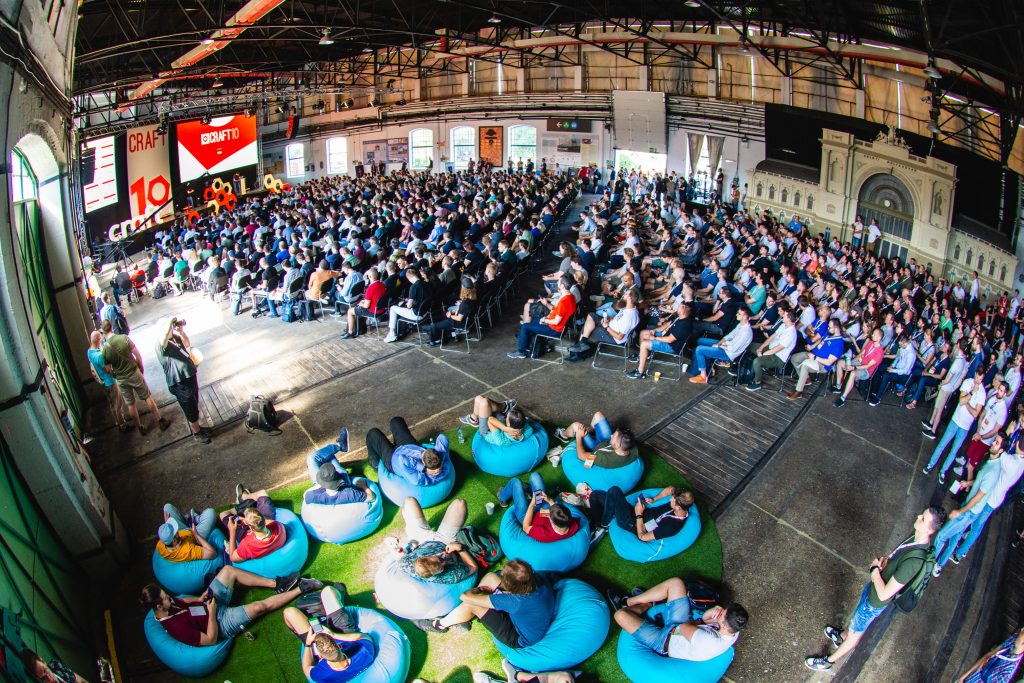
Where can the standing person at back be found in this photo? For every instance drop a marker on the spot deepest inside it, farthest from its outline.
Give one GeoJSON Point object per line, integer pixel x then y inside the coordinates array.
{"type": "Point", "coordinates": [124, 362]}
{"type": "Point", "coordinates": [106, 380]}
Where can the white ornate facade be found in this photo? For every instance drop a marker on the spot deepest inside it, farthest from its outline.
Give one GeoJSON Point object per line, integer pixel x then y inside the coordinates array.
{"type": "Point", "coordinates": [911, 195]}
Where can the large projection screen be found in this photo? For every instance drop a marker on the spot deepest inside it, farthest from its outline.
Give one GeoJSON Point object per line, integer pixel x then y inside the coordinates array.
{"type": "Point", "coordinates": [102, 191]}
{"type": "Point", "coordinates": [226, 143]}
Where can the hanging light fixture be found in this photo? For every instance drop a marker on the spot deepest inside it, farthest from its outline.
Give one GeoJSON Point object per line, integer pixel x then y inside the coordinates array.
{"type": "Point", "coordinates": [217, 83]}
{"type": "Point", "coordinates": [494, 19]}
{"type": "Point", "coordinates": [692, 4]}
{"type": "Point", "coordinates": [931, 71]}
{"type": "Point", "coordinates": [326, 39]}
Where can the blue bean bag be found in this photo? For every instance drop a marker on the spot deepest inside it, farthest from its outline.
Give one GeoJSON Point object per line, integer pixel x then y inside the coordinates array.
{"type": "Point", "coordinates": [643, 665]}
{"type": "Point", "coordinates": [515, 459]}
{"type": "Point", "coordinates": [411, 597]}
{"type": "Point", "coordinates": [577, 632]}
{"type": "Point", "coordinates": [600, 478]}
{"type": "Point", "coordinates": [559, 556]}
{"type": "Point", "coordinates": [346, 522]}
{"type": "Point", "coordinates": [393, 653]}
{"type": "Point", "coordinates": [189, 578]}
{"type": "Point", "coordinates": [398, 489]}
{"type": "Point", "coordinates": [288, 558]}
{"type": "Point", "coordinates": [629, 547]}
{"type": "Point", "coordinates": [186, 660]}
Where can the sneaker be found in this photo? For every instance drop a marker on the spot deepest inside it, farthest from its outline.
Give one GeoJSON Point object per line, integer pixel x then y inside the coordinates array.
{"type": "Point", "coordinates": [201, 437]}
{"type": "Point", "coordinates": [936, 571]}
{"type": "Point", "coordinates": [874, 402]}
{"type": "Point", "coordinates": [470, 420]}
{"type": "Point", "coordinates": [310, 585]}
{"type": "Point", "coordinates": [346, 335]}
{"type": "Point", "coordinates": [597, 534]}
{"type": "Point", "coordinates": [753, 386]}
{"type": "Point", "coordinates": [482, 677]}
{"type": "Point", "coordinates": [926, 470]}
{"type": "Point", "coordinates": [516, 354]}
{"type": "Point", "coordinates": [733, 371]}
{"type": "Point", "coordinates": [958, 471]}
{"type": "Point", "coordinates": [794, 395]}
{"type": "Point", "coordinates": [636, 590]}
{"type": "Point", "coordinates": [239, 491]}
{"type": "Point", "coordinates": [927, 424]}
{"type": "Point", "coordinates": [818, 663]}
{"type": "Point", "coordinates": [560, 433]}
{"type": "Point", "coordinates": [834, 634]}
{"type": "Point", "coordinates": [929, 434]}
{"type": "Point", "coordinates": [839, 402]}
{"type": "Point", "coordinates": [389, 339]}
{"type": "Point", "coordinates": [698, 379]}
{"type": "Point", "coordinates": [723, 364]}
{"type": "Point", "coordinates": [429, 625]}
{"type": "Point", "coordinates": [942, 477]}
{"type": "Point", "coordinates": [616, 599]}
{"type": "Point", "coordinates": [573, 358]}
{"type": "Point", "coordinates": [634, 358]}
{"type": "Point", "coordinates": [580, 346]}
{"type": "Point", "coordinates": [510, 404]}
{"type": "Point", "coordinates": [571, 498]}
{"type": "Point", "coordinates": [955, 559]}
{"type": "Point", "coordinates": [511, 671]}
{"type": "Point", "coordinates": [501, 503]}
{"type": "Point", "coordinates": [835, 389]}
{"type": "Point", "coordinates": [283, 584]}
{"type": "Point", "coordinates": [343, 439]}
{"type": "Point", "coordinates": [961, 460]}
{"type": "Point", "coordinates": [636, 374]}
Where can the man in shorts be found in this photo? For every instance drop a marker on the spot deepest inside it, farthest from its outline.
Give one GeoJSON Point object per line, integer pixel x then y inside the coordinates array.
{"type": "Point", "coordinates": [124, 362]}
{"type": "Point", "coordinates": [418, 530]}
{"type": "Point", "coordinates": [888, 576]}
{"type": "Point", "coordinates": [107, 381]}
{"type": "Point", "coordinates": [210, 617]}
{"type": "Point", "coordinates": [500, 423]}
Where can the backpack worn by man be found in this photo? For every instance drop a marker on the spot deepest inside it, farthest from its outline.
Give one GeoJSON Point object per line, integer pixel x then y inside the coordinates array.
{"type": "Point", "coordinates": [906, 600]}
{"type": "Point", "coordinates": [261, 416]}
{"type": "Point", "coordinates": [484, 547]}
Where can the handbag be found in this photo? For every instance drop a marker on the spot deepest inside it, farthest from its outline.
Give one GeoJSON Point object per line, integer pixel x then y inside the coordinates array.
{"type": "Point", "coordinates": [195, 355]}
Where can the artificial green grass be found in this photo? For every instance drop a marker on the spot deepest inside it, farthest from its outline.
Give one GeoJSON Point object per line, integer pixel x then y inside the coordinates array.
{"type": "Point", "coordinates": [453, 657]}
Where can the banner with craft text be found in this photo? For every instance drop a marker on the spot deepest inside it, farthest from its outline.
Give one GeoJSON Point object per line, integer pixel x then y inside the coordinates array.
{"type": "Point", "coordinates": [149, 175]}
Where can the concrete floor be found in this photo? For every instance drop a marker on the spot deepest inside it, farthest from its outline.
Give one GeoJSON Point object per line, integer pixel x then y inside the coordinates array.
{"type": "Point", "coordinates": [843, 488]}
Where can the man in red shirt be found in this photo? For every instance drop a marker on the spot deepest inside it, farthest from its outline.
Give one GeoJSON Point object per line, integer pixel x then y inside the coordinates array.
{"type": "Point", "coordinates": [373, 304]}
{"type": "Point", "coordinates": [542, 519]}
{"type": "Point", "coordinates": [252, 531]}
{"type": "Point", "coordinates": [553, 323]}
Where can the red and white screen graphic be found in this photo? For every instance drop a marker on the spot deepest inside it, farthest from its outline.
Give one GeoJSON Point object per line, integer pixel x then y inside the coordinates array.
{"type": "Point", "coordinates": [102, 191]}
{"type": "Point", "coordinates": [149, 175]}
{"type": "Point", "coordinates": [225, 143]}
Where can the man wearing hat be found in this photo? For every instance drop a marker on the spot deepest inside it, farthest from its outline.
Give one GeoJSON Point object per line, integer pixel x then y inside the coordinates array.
{"type": "Point", "coordinates": [181, 540]}
{"type": "Point", "coordinates": [335, 487]}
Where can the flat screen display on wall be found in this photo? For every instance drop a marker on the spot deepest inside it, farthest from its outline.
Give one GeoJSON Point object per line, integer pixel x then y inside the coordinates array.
{"type": "Point", "coordinates": [226, 143]}
{"type": "Point", "coordinates": [102, 191]}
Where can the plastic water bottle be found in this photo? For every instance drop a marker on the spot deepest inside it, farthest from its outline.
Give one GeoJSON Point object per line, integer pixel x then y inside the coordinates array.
{"type": "Point", "coordinates": [462, 436]}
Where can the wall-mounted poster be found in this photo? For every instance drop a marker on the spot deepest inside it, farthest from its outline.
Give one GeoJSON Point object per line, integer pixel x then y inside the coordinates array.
{"type": "Point", "coordinates": [149, 174]}
{"type": "Point", "coordinates": [492, 144]}
{"type": "Point", "coordinates": [398, 151]}
{"type": "Point", "coordinates": [375, 151]}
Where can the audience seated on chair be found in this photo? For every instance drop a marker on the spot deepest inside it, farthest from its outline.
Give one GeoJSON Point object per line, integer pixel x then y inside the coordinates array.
{"type": "Point", "coordinates": [603, 329]}
{"type": "Point", "coordinates": [726, 350]}
{"type": "Point", "coordinates": [552, 325]}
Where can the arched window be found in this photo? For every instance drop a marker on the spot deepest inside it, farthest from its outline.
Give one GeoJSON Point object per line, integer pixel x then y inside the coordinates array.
{"type": "Point", "coordinates": [421, 149]}
{"type": "Point", "coordinates": [785, 195]}
{"type": "Point", "coordinates": [970, 257]}
{"type": "Point", "coordinates": [23, 181]}
{"type": "Point", "coordinates": [337, 155]}
{"type": "Point", "coordinates": [1002, 274]}
{"type": "Point", "coordinates": [760, 189]}
{"type": "Point", "coordinates": [522, 143]}
{"type": "Point", "coordinates": [771, 193]}
{"type": "Point", "coordinates": [992, 268]}
{"type": "Point", "coordinates": [295, 160]}
{"type": "Point", "coordinates": [463, 141]}
{"type": "Point", "coordinates": [796, 199]}
{"type": "Point", "coordinates": [810, 202]}
{"type": "Point", "coordinates": [981, 262]}
{"type": "Point", "coordinates": [956, 253]}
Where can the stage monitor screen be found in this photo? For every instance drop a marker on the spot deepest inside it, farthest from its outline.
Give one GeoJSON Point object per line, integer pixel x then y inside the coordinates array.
{"type": "Point", "coordinates": [226, 143]}
{"type": "Point", "coordinates": [102, 191]}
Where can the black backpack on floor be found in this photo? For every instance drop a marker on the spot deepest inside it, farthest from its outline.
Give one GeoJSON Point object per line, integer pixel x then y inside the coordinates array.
{"type": "Point", "coordinates": [261, 416]}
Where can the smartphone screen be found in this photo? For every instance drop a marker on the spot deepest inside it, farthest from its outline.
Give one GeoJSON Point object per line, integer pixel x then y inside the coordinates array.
{"type": "Point", "coordinates": [316, 626]}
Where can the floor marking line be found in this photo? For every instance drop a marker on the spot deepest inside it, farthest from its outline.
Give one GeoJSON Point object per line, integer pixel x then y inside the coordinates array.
{"type": "Point", "coordinates": [302, 427]}
{"type": "Point", "coordinates": [804, 534]}
{"type": "Point", "coordinates": [844, 430]}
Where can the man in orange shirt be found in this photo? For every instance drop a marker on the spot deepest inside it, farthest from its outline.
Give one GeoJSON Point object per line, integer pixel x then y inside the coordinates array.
{"type": "Point", "coordinates": [554, 322]}
{"type": "Point", "coordinates": [183, 539]}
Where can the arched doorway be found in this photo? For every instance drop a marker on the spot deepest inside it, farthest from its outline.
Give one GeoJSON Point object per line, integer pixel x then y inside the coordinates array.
{"type": "Point", "coordinates": [886, 199]}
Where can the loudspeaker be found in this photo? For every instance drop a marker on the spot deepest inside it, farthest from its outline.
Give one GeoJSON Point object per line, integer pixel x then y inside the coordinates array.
{"type": "Point", "coordinates": [87, 165]}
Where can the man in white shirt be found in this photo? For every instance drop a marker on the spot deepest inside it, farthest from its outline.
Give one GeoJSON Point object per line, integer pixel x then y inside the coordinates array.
{"type": "Point", "coordinates": [774, 352]}
{"type": "Point", "coordinates": [598, 329]}
{"type": "Point", "coordinates": [954, 378]}
{"type": "Point", "coordinates": [727, 349]}
{"type": "Point", "coordinates": [972, 300]}
{"type": "Point", "coordinates": [972, 402]}
{"type": "Point", "coordinates": [991, 420]}
{"type": "Point", "coordinates": [680, 636]}
{"type": "Point", "coordinates": [874, 233]}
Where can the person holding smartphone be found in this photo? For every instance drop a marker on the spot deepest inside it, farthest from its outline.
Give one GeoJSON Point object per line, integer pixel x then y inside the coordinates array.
{"type": "Point", "coordinates": [541, 518]}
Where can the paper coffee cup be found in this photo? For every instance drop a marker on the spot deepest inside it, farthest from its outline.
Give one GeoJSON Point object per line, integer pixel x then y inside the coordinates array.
{"type": "Point", "coordinates": [657, 376]}
{"type": "Point", "coordinates": [490, 508]}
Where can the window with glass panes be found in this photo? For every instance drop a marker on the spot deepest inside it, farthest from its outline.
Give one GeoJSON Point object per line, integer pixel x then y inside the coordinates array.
{"type": "Point", "coordinates": [23, 181]}
{"type": "Point", "coordinates": [421, 148]}
{"type": "Point", "coordinates": [522, 143]}
{"type": "Point", "coordinates": [296, 156]}
{"type": "Point", "coordinates": [463, 145]}
{"type": "Point", "coordinates": [337, 155]}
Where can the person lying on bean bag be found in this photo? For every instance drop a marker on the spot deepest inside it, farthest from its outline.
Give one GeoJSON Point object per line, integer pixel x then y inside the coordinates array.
{"type": "Point", "coordinates": [598, 443]}
{"type": "Point", "coordinates": [679, 636]}
{"type": "Point", "coordinates": [210, 617]}
{"type": "Point", "coordinates": [337, 488]}
{"type": "Point", "coordinates": [501, 423]}
{"type": "Point", "coordinates": [185, 540]}
{"type": "Point", "coordinates": [517, 606]}
{"type": "Point", "coordinates": [335, 651]}
{"type": "Point", "coordinates": [252, 529]}
{"type": "Point", "coordinates": [647, 522]}
{"type": "Point", "coordinates": [418, 465]}
{"type": "Point", "coordinates": [542, 519]}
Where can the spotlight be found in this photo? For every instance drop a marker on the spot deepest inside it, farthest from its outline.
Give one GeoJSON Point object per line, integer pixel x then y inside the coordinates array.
{"type": "Point", "coordinates": [279, 109]}
{"type": "Point", "coordinates": [933, 128]}
{"type": "Point", "coordinates": [692, 4]}
{"type": "Point", "coordinates": [217, 83]}
{"type": "Point", "coordinates": [495, 19]}
{"type": "Point", "coordinates": [367, 50]}
{"type": "Point", "coordinates": [208, 40]}
{"type": "Point", "coordinates": [931, 72]}
{"type": "Point", "coordinates": [250, 111]}
{"type": "Point", "coordinates": [326, 39]}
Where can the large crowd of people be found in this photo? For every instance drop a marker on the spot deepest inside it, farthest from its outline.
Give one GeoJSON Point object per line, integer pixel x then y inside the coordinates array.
{"type": "Point", "coordinates": [730, 291]}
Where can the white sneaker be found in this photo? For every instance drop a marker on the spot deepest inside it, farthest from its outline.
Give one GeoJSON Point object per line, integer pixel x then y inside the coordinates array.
{"type": "Point", "coordinates": [958, 471]}
{"type": "Point", "coordinates": [390, 338]}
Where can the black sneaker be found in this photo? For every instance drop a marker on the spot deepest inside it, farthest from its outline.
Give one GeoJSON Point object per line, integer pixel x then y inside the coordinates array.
{"type": "Point", "coordinates": [429, 626]}
{"type": "Point", "coordinates": [634, 358]}
{"type": "Point", "coordinates": [283, 584]}
{"type": "Point", "coordinates": [927, 424]}
{"type": "Point", "coordinates": [954, 559]}
{"type": "Point", "coordinates": [753, 386]}
{"type": "Point", "coordinates": [636, 374]}
{"type": "Point", "coordinates": [818, 663]}
{"type": "Point", "coordinates": [636, 590]}
{"type": "Point", "coordinates": [834, 634]}
{"type": "Point", "coordinates": [597, 534]}
{"type": "Point", "coordinates": [310, 585]}
{"type": "Point", "coordinates": [835, 389]}
{"type": "Point", "coordinates": [929, 434]}
{"type": "Point", "coordinates": [839, 402]}
{"type": "Point", "coordinates": [616, 599]}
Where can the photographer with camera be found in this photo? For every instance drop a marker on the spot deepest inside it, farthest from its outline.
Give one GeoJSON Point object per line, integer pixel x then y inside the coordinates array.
{"type": "Point", "coordinates": [179, 361]}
